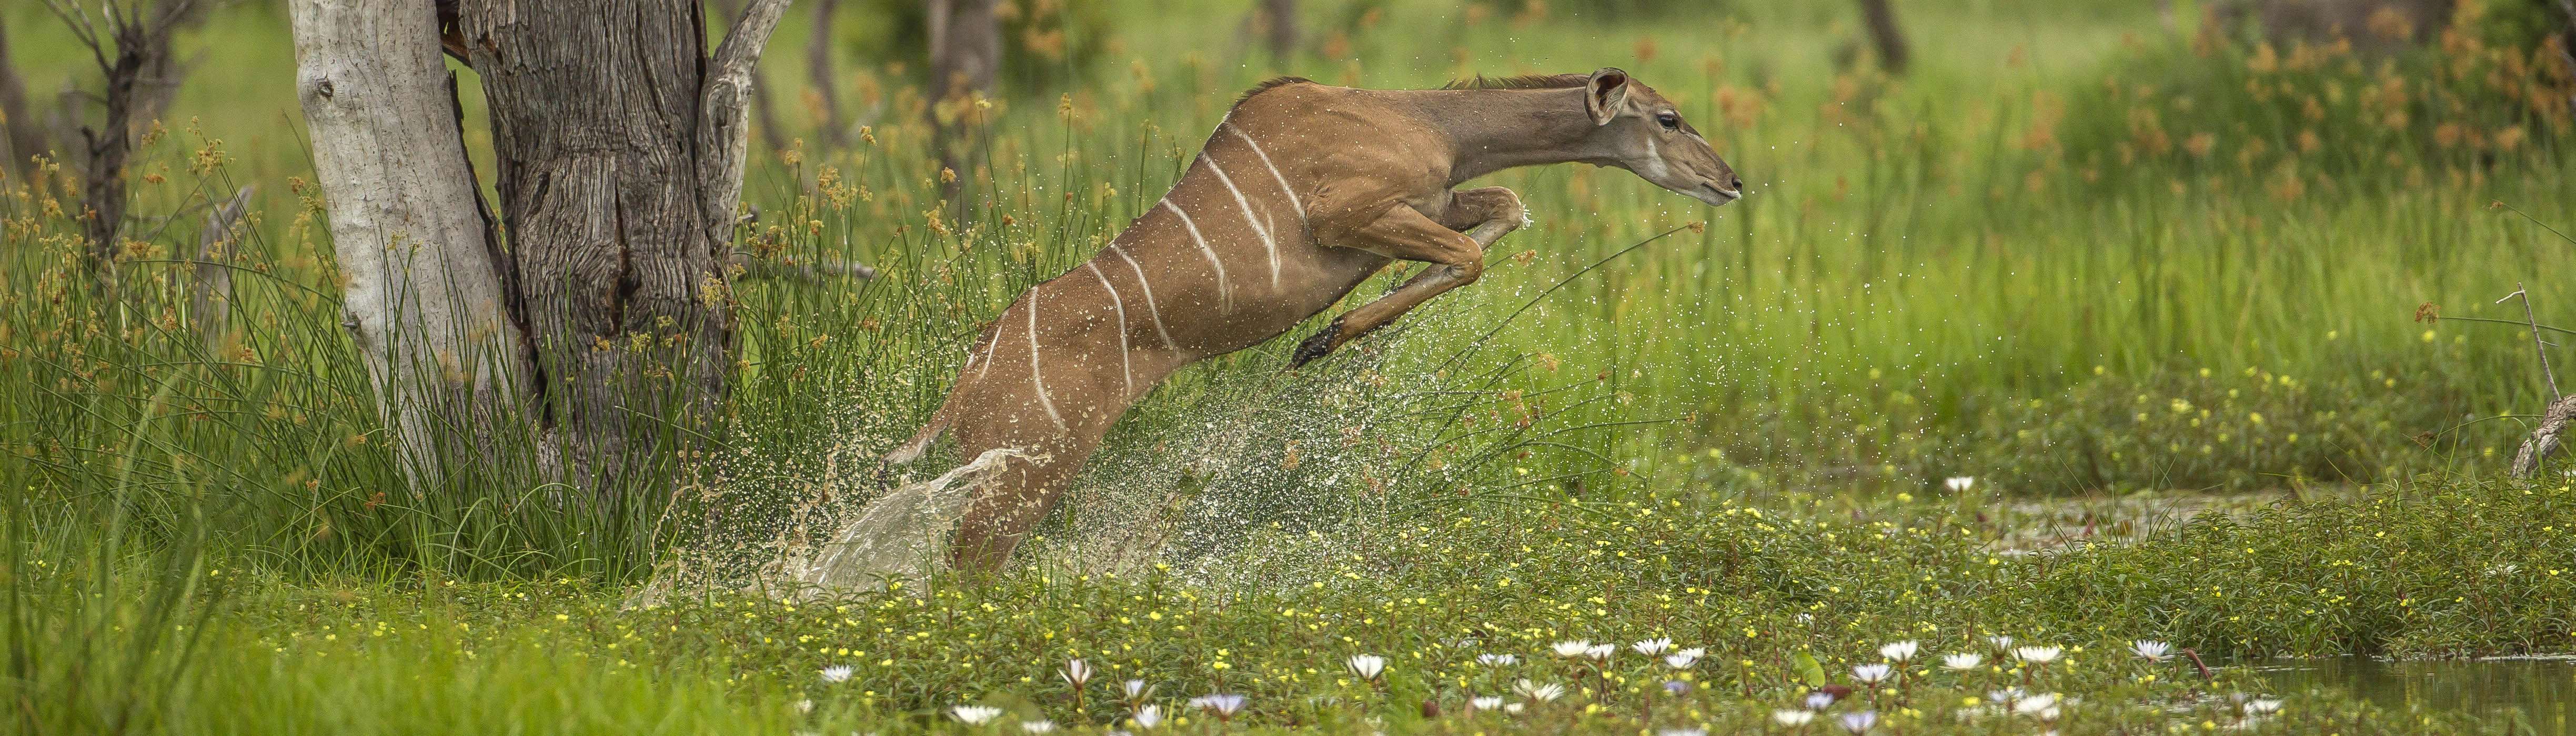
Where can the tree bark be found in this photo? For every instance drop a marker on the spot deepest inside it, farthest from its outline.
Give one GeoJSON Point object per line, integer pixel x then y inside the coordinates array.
{"type": "Point", "coordinates": [423, 297]}
{"type": "Point", "coordinates": [620, 150]}
{"type": "Point", "coordinates": [1883, 32]}
{"type": "Point", "coordinates": [604, 324]}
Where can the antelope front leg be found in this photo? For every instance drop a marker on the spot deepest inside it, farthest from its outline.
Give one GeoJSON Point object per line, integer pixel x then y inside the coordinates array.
{"type": "Point", "coordinates": [1457, 259]}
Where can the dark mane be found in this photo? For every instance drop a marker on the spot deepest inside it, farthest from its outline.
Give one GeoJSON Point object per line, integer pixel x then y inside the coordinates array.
{"type": "Point", "coordinates": [1527, 81]}
{"type": "Point", "coordinates": [1266, 85]}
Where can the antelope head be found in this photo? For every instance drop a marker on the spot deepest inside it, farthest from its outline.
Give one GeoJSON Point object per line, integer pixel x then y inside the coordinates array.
{"type": "Point", "coordinates": [1638, 130]}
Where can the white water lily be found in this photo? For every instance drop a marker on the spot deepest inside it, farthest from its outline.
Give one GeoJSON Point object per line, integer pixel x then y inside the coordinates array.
{"type": "Point", "coordinates": [1793, 718]}
{"type": "Point", "coordinates": [2035, 703]}
{"type": "Point", "coordinates": [1537, 692]}
{"type": "Point", "coordinates": [2038, 655]}
{"type": "Point", "coordinates": [1872, 674]}
{"type": "Point", "coordinates": [1515, 708]}
{"type": "Point", "coordinates": [1224, 705]}
{"type": "Point", "coordinates": [2150, 650]}
{"type": "Point", "coordinates": [1682, 732]}
{"type": "Point", "coordinates": [838, 673]}
{"type": "Point", "coordinates": [2000, 642]}
{"type": "Point", "coordinates": [1148, 716]}
{"type": "Point", "coordinates": [1694, 652]}
{"type": "Point", "coordinates": [1652, 647]}
{"type": "Point", "coordinates": [1486, 702]}
{"type": "Point", "coordinates": [1037, 726]}
{"type": "Point", "coordinates": [1962, 661]}
{"type": "Point", "coordinates": [1497, 660]}
{"type": "Point", "coordinates": [1367, 666]}
{"type": "Point", "coordinates": [2262, 706]}
{"type": "Point", "coordinates": [1681, 660]}
{"type": "Point", "coordinates": [1136, 690]}
{"type": "Point", "coordinates": [1960, 483]}
{"type": "Point", "coordinates": [1900, 651]}
{"type": "Point", "coordinates": [1819, 700]}
{"type": "Point", "coordinates": [975, 715]}
{"type": "Point", "coordinates": [1573, 648]}
{"type": "Point", "coordinates": [1859, 722]}
{"type": "Point", "coordinates": [1602, 652]}
{"type": "Point", "coordinates": [1076, 672]}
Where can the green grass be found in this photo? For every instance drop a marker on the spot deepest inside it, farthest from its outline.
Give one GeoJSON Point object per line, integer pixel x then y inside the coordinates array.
{"type": "Point", "coordinates": [2070, 254]}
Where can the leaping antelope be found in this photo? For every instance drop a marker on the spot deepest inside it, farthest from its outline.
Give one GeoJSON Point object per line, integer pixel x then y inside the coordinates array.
{"type": "Point", "coordinates": [1303, 191]}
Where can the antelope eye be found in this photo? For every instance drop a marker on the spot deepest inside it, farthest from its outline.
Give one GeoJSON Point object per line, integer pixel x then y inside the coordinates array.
{"type": "Point", "coordinates": [1669, 121]}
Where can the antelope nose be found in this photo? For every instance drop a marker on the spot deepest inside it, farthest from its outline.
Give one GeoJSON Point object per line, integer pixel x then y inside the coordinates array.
{"type": "Point", "coordinates": [1735, 183]}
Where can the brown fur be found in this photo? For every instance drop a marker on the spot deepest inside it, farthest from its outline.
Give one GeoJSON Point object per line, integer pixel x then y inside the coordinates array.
{"type": "Point", "coordinates": [1302, 193]}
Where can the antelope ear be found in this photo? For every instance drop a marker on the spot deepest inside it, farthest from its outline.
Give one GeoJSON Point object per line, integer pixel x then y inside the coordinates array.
{"type": "Point", "coordinates": [1604, 93]}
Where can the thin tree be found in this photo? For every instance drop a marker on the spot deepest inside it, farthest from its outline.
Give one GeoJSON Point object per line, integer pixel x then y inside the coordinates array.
{"type": "Point", "coordinates": [1884, 33]}
{"type": "Point", "coordinates": [22, 137]}
{"type": "Point", "coordinates": [965, 55]}
{"type": "Point", "coordinates": [596, 313]}
{"type": "Point", "coordinates": [131, 44]}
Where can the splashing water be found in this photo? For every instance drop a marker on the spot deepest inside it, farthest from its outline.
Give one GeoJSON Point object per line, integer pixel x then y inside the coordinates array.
{"type": "Point", "coordinates": [901, 535]}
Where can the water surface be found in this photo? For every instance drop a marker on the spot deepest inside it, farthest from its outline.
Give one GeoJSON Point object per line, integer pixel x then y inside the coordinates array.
{"type": "Point", "coordinates": [2543, 689]}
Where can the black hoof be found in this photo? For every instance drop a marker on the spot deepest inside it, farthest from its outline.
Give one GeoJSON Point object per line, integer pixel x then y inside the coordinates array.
{"type": "Point", "coordinates": [1317, 345]}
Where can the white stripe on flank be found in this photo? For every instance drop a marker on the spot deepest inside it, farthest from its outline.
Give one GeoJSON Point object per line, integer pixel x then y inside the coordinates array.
{"type": "Point", "coordinates": [1257, 227]}
{"type": "Point", "coordinates": [1293, 200]}
{"type": "Point", "coordinates": [986, 365]}
{"type": "Point", "coordinates": [1224, 290]}
{"type": "Point", "coordinates": [1035, 378]}
{"type": "Point", "coordinates": [1150, 310]}
{"type": "Point", "coordinates": [1127, 368]}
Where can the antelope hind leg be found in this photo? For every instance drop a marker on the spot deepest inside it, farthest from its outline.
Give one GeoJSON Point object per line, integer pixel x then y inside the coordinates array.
{"type": "Point", "coordinates": [1406, 234]}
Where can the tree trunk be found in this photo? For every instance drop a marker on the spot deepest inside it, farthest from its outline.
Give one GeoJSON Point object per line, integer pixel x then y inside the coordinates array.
{"type": "Point", "coordinates": [423, 297]}
{"type": "Point", "coordinates": [605, 322]}
{"type": "Point", "coordinates": [1883, 32]}
{"type": "Point", "coordinates": [1279, 23]}
{"type": "Point", "coordinates": [22, 137]}
{"type": "Point", "coordinates": [818, 69]}
{"type": "Point", "coordinates": [620, 152]}
{"type": "Point", "coordinates": [965, 54]}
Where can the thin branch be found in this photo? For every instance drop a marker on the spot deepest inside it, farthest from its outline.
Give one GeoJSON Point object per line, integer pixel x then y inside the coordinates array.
{"type": "Point", "coordinates": [2537, 346]}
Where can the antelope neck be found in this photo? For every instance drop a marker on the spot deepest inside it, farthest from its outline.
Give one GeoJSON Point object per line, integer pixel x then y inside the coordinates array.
{"type": "Point", "coordinates": [1495, 129]}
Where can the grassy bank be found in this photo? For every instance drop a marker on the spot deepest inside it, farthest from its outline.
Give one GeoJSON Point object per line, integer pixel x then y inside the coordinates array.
{"type": "Point", "coordinates": [1782, 599]}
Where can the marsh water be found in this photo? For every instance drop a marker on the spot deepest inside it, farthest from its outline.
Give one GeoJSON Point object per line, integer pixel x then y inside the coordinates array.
{"type": "Point", "coordinates": [2543, 689]}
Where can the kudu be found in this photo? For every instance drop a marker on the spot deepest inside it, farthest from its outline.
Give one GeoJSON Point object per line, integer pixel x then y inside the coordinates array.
{"type": "Point", "coordinates": [1303, 192]}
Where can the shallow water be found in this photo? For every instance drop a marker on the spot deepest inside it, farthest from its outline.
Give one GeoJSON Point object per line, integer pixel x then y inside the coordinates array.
{"type": "Point", "coordinates": [2542, 688]}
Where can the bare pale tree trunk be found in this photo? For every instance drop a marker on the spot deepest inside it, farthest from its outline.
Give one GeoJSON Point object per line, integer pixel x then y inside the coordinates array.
{"type": "Point", "coordinates": [210, 297]}
{"type": "Point", "coordinates": [22, 137]}
{"type": "Point", "coordinates": [1884, 33]}
{"type": "Point", "coordinates": [620, 154]}
{"type": "Point", "coordinates": [603, 325]}
{"type": "Point", "coordinates": [965, 54]}
{"type": "Point", "coordinates": [423, 296]}
{"type": "Point", "coordinates": [763, 107]}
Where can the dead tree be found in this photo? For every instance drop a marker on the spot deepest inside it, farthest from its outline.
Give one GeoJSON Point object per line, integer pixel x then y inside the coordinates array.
{"type": "Point", "coordinates": [1885, 35]}
{"type": "Point", "coordinates": [965, 55]}
{"type": "Point", "coordinates": [131, 45]}
{"type": "Point", "coordinates": [603, 327]}
{"type": "Point", "coordinates": [210, 297]}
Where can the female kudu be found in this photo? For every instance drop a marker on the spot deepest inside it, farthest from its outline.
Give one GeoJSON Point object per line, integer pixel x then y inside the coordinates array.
{"type": "Point", "coordinates": [1302, 192]}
